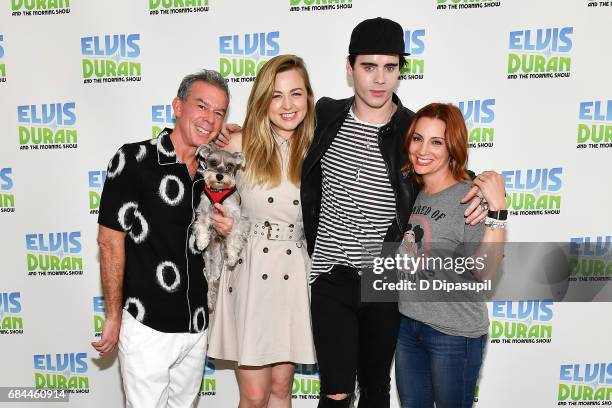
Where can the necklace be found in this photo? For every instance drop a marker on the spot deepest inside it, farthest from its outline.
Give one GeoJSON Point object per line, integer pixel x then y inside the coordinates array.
{"type": "Point", "coordinates": [360, 165]}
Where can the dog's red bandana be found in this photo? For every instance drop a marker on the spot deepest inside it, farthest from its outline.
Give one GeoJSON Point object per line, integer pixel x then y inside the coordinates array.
{"type": "Point", "coordinates": [218, 196]}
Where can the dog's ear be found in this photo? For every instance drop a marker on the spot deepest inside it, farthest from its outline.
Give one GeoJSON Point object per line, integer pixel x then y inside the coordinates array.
{"type": "Point", "coordinates": [239, 157]}
{"type": "Point", "coordinates": [204, 150]}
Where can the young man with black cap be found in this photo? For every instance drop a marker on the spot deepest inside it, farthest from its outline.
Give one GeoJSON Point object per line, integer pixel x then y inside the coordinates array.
{"type": "Point", "coordinates": [355, 198]}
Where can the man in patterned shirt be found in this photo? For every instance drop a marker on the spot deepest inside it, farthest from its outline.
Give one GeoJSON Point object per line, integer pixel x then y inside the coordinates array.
{"type": "Point", "coordinates": [152, 273]}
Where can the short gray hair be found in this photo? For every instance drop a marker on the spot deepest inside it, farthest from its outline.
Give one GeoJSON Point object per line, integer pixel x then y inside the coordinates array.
{"type": "Point", "coordinates": [207, 75]}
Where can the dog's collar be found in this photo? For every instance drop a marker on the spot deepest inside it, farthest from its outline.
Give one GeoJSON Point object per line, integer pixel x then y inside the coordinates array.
{"type": "Point", "coordinates": [218, 196]}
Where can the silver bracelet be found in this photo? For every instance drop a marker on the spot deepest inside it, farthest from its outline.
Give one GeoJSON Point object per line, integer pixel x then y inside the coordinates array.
{"type": "Point", "coordinates": [495, 223]}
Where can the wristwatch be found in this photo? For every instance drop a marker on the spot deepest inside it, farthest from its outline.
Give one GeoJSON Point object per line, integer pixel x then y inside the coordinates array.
{"type": "Point", "coordinates": [501, 215]}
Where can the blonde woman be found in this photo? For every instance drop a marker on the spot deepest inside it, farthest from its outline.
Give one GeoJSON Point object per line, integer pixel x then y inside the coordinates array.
{"type": "Point", "coordinates": [262, 316]}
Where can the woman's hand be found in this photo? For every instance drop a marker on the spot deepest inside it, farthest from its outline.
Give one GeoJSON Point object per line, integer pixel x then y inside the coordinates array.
{"type": "Point", "coordinates": [221, 221]}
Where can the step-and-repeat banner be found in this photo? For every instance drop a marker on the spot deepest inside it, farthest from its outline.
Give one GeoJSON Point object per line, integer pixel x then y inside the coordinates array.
{"type": "Point", "coordinates": [78, 78]}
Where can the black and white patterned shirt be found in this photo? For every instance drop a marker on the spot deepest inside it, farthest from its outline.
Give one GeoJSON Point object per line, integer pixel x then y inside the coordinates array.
{"type": "Point", "coordinates": [358, 202]}
{"type": "Point", "coordinates": [150, 195]}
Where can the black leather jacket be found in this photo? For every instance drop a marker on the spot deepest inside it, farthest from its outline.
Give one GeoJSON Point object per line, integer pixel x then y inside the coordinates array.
{"type": "Point", "coordinates": [330, 116]}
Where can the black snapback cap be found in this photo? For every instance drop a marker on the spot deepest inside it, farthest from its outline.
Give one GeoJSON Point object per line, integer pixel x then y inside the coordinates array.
{"type": "Point", "coordinates": [378, 36]}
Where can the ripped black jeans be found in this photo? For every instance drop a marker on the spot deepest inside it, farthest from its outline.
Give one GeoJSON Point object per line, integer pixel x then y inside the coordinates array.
{"type": "Point", "coordinates": [352, 338]}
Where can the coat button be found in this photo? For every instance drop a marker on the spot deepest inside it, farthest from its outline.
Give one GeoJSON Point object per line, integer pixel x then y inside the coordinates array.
{"type": "Point", "coordinates": [240, 260]}
{"type": "Point", "coordinates": [230, 289]}
{"type": "Point", "coordinates": [288, 252]}
{"type": "Point", "coordinates": [264, 276]}
{"type": "Point", "coordinates": [286, 277]}
{"type": "Point", "coordinates": [295, 202]}
{"type": "Point", "coordinates": [265, 250]}
{"type": "Point", "coordinates": [267, 223]}
{"type": "Point", "coordinates": [270, 199]}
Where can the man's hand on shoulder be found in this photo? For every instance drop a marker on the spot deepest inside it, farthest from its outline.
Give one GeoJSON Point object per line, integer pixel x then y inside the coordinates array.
{"type": "Point", "coordinates": [235, 143]}
{"type": "Point", "coordinates": [225, 135]}
{"type": "Point", "coordinates": [475, 212]}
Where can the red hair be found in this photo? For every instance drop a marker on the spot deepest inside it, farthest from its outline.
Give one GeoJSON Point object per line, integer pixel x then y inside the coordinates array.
{"type": "Point", "coordinates": [456, 138]}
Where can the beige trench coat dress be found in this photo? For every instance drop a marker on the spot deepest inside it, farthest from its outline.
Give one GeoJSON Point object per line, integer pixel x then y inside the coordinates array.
{"type": "Point", "coordinates": [262, 315]}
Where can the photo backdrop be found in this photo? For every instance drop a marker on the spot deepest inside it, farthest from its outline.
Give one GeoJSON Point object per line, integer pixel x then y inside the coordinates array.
{"type": "Point", "coordinates": [80, 78]}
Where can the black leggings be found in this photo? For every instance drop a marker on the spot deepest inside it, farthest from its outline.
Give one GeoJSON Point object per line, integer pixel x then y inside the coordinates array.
{"type": "Point", "coordinates": [352, 338]}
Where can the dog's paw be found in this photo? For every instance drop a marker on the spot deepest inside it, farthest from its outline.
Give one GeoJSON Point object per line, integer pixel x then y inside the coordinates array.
{"type": "Point", "coordinates": [232, 260]}
{"type": "Point", "coordinates": [213, 290]}
{"type": "Point", "coordinates": [202, 242]}
{"type": "Point", "coordinates": [211, 304]}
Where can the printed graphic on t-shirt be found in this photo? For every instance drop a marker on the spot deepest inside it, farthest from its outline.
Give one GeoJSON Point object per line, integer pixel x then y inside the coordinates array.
{"type": "Point", "coordinates": [419, 228]}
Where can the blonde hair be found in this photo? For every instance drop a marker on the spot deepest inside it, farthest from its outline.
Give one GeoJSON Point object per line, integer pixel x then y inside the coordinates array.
{"type": "Point", "coordinates": [263, 161]}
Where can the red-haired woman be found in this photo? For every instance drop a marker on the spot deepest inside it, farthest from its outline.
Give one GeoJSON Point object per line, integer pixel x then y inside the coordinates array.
{"type": "Point", "coordinates": [442, 337]}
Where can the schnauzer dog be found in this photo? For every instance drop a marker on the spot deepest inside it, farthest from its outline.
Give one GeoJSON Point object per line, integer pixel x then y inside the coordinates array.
{"type": "Point", "coordinates": [219, 170]}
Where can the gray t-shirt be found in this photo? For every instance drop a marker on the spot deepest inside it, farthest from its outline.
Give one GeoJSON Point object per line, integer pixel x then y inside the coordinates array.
{"type": "Point", "coordinates": [437, 229]}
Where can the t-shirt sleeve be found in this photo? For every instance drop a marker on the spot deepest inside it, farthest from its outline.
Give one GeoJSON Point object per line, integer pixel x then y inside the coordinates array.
{"type": "Point", "coordinates": [119, 195]}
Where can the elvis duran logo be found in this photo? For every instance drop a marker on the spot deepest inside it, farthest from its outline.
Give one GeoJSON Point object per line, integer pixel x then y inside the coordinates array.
{"type": "Point", "coordinates": [111, 58]}
{"type": "Point", "coordinates": [47, 126]}
{"type": "Point", "coordinates": [533, 191]}
{"type": "Point", "coordinates": [54, 253]}
{"type": "Point", "coordinates": [208, 387]}
{"type": "Point", "coordinates": [590, 258]}
{"type": "Point", "coordinates": [7, 198]}
{"type": "Point", "coordinates": [318, 5]}
{"type": "Point", "coordinates": [95, 181]}
{"type": "Point", "coordinates": [585, 382]}
{"type": "Point", "coordinates": [595, 127]}
{"type": "Point", "coordinates": [65, 371]}
{"type": "Point", "coordinates": [164, 7]}
{"type": "Point", "coordinates": [243, 55]}
{"type": "Point", "coordinates": [522, 321]}
{"type": "Point", "coordinates": [479, 116]}
{"type": "Point", "coordinates": [39, 7]}
{"type": "Point", "coordinates": [10, 309]}
{"type": "Point", "coordinates": [2, 64]}
{"type": "Point", "coordinates": [99, 315]}
{"type": "Point", "coordinates": [466, 4]}
{"type": "Point", "coordinates": [306, 383]}
{"type": "Point", "coordinates": [162, 116]}
{"type": "Point", "coordinates": [415, 64]}
{"type": "Point", "coordinates": [540, 53]}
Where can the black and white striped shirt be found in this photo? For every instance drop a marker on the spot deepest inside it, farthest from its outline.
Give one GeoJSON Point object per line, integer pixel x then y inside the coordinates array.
{"type": "Point", "coordinates": [358, 202]}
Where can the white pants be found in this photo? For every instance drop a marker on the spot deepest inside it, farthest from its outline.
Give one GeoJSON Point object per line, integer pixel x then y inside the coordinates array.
{"type": "Point", "coordinates": [160, 370]}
